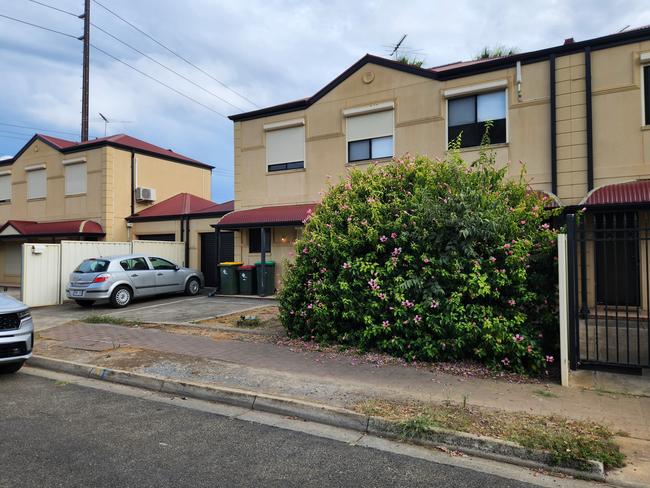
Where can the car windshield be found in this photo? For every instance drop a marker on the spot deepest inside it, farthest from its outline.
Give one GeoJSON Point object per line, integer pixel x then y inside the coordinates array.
{"type": "Point", "coordinates": [92, 266]}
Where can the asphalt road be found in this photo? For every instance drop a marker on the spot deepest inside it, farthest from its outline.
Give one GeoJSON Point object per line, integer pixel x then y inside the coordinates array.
{"type": "Point", "coordinates": [60, 434]}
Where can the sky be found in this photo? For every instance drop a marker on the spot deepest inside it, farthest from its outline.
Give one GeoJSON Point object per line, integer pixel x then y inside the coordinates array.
{"type": "Point", "coordinates": [269, 51]}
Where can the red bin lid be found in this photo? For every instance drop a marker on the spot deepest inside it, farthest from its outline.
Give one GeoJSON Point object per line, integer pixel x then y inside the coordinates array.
{"type": "Point", "coordinates": [246, 267]}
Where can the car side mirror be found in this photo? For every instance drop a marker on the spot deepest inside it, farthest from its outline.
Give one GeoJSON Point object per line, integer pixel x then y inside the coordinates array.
{"type": "Point", "coordinates": [177, 267]}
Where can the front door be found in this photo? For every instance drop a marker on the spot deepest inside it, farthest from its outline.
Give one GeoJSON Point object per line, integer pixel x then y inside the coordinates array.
{"type": "Point", "coordinates": [168, 279]}
{"type": "Point", "coordinates": [617, 259]}
{"type": "Point", "coordinates": [141, 275]}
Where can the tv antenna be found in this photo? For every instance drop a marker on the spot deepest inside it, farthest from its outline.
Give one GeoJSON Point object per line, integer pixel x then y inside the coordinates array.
{"type": "Point", "coordinates": [397, 46]}
{"type": "Point", "coordinates": [107, 121]}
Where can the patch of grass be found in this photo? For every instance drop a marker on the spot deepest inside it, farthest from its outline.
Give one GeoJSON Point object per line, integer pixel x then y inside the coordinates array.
{"type": "Point", "coordinates": [107, 319]}
{"type": "Point", "coordinates": [566, 440]}
{"type": "Point", "coordinates": [545, 393]}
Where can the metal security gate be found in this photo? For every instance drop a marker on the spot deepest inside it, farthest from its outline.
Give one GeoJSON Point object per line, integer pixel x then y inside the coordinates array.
{"type": "Point", "coordinates": [609, 296]}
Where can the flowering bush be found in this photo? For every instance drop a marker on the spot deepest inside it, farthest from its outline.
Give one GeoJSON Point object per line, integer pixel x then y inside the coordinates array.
{"type": "Point", "coordinates": [429, 260]}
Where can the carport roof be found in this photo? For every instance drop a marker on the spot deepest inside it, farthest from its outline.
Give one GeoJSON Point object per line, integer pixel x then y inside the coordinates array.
{"type": "Point", "coordinates": [628, 193]}
{"type": "Point", "coordinates": [274, 216]}
{"type": "Point", "coordinates": [183, 205]}
{"type": "Point", "coordinates": [27, 228]}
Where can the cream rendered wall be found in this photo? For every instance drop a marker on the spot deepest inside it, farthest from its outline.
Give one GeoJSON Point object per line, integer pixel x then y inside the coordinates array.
{"type": "Point", "coordinates": [420, 129]}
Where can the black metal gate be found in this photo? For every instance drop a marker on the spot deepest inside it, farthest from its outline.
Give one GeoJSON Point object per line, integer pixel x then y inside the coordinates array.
{"type": "Point", "coordinates": [608, 291]}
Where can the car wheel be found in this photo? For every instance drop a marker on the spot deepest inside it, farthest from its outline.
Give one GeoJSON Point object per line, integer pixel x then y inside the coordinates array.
{"type": "Point", "coordinates": [11, 367]}
{"type": "Point", "coordinates": [85, 303]}
{"type": "Point", "coordinates": [121, 296]}
{"type": "Point", "coordinates": [192, 287]}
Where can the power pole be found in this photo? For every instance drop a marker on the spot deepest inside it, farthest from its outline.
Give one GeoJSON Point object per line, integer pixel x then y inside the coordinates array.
{"type": "Point", "coordinates": [86, 72]}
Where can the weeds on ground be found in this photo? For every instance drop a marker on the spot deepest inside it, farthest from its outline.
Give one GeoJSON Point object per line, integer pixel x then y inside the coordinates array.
{"type": "Point", "coordinates": [108, 319]}
{"type": "Point", "coordinates": [545, 393]}
{"type": "Point", "coordinates": [567, 441]}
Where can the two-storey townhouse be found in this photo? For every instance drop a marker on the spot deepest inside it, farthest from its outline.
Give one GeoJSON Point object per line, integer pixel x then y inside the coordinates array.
{"type": "Point", "coordinates": [577, 115]}
{"type": "Point", "coordinates": [54, 190]}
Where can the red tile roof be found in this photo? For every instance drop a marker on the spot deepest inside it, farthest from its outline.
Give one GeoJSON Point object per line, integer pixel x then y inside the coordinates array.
{"type": "Point", "coordinates": [121, 141]}
{"type": "Point", "coordinates": [61, 228]}
{"type": "Point", "coordinates": [631, 192]}
{"type": "Point", "coordinates": [267, 216]}
{"type": "Point", "coordinates": [183, 204]}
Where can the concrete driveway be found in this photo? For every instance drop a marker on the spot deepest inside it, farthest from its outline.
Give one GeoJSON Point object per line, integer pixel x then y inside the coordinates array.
{"type": "Point", "coordinates": [170, 308]}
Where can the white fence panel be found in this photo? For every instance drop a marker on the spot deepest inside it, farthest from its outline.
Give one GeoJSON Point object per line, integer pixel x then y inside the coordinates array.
{"type": "Point", "coordinates": [40, 274]}
{"type": "Point", "coordinates": [74, 252]}
{"type": "Point", "coordinates": [173, 251]}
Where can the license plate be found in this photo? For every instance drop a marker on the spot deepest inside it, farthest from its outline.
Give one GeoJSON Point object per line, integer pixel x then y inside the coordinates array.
{"type": "Point", "coordinates": [77, 293]}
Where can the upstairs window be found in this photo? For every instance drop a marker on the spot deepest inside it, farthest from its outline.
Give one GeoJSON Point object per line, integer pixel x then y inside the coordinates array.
{"type": "Point", "coordinates": [468, 116]}
{"type": "Point", "coordinates": [285, 148]}
{"type": "Point", "coordinates": [5, 187]}
{"type": "Point", "coordinates": [646, 94]}
{"type": "Point", "coordinates": [36, 182]}
{"type": "Point", "coordinates": [75, 178]}
{"type": "Point", "coordinates": [255, 240]}
{"type": "Point", "coordinates": [370, 136]}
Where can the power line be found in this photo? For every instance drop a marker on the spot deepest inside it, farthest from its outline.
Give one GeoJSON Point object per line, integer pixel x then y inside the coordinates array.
{"type": "Point", "coordinates": [176, 54]}
{"type": "Point", "coordinates": [54, 8]}
{"type": "Point", "coordinates": [13, 137]}
{"type": "Point", "coordinates": [37, 128]}
{"type": "Point", "coordinates": [157, 81]}
{"type": "Point", "coordinates": [38, 26]}
{"type": "Point", "coordinates": [166, 67]}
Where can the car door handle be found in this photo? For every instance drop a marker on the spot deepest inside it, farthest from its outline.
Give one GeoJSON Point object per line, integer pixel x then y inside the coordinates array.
{"type": "Point", "coordinates": [134, 276]}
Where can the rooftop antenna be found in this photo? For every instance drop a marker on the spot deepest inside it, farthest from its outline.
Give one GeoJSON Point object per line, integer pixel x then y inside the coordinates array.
{"type": "Point", "coordinates": [624, 28]}
{"type": "Point", "coordinates": [107, 121]}
{"type": "Point", "coordinates": [397, 46]}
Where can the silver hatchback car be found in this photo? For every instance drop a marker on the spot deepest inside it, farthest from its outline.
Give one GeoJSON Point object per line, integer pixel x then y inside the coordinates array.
{"type": "Point", "coordinates": [16, 334]}
{"type": "Point", "coordinates": [120, 279]}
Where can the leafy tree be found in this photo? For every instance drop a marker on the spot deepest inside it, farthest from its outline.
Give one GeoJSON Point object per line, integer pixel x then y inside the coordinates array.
{"type": "Point", "coordinates": [429, 260]}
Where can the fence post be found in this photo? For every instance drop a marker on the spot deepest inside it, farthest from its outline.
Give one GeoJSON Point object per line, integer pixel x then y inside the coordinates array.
{"type": "Point", "coordinates": [563, 283]}
{"type": "Point", "coordinates": [572, 290]}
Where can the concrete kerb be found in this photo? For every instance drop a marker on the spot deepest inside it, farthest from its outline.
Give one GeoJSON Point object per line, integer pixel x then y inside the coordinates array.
{"type": "Point", "coordinates": [485, 447]}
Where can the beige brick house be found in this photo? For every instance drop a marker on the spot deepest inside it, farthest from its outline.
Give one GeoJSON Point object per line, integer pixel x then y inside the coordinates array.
{"type": "Point", "coordinates": [576, 114]}
{"type": "Point", "coordinates": [54, 189]}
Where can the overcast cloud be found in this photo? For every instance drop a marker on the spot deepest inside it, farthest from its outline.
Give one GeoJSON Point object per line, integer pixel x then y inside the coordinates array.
{"type": "Point", "coordinates": [270, 51]}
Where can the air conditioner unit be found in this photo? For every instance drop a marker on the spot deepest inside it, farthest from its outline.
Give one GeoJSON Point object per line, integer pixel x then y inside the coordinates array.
{"type": "Point", "coordinates": [145, 194]}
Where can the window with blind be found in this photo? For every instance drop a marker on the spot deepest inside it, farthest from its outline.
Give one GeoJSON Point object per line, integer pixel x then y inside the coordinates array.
{"type": "Point", "coordinates": [468, 116]}
{"type": "Point", "coordinates": [37, 183]}
{"type": "Point", "coordinates": [370, 136]}
{"type": "Point", "coordinates": [5, 188]}
{"type": "Point", "coordinates": [285, 148]}
{"type": "Point", "coordinates": [75, 178]}
{"type": "Point", "coordinates": [646, 93]}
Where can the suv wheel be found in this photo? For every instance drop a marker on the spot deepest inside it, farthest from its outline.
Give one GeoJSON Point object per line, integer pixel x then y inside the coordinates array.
{"type": "Point", "coordinates": [9, 368]}
{"type": "Point", "coordinates": [192, 287]}
{"type": "Point", "coordinates": [121, 296]}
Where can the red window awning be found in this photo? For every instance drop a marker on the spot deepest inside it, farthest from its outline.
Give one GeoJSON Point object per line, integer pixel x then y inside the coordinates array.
{"type": "Point", "coordinates": [71, 228]}
{"type": "Point", "coordinates": [266, 216]}
{"type": "Point", "coordinates": [628, 193]}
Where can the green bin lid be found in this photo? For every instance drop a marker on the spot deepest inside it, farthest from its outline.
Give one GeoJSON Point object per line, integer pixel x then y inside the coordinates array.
{"type": "Point", "coordinates": [266, 263]}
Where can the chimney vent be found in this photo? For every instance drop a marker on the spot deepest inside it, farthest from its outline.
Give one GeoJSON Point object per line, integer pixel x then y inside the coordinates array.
{"type": "Point", "coordinates": [568, 40]}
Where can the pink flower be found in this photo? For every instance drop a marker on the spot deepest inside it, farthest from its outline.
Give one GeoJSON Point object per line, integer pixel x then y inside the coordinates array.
{"type": "Point", "coordinates": [550, 359]}
{"type": "Point", "coordinates": [434, 304]}
{"type": "Point", "coordinates": [506, 246]}
{"type": "Point", "coordinates": [522, 222]}
{"type": "Point", "coordinates": [396, 252]}
{"type": "Point", "coordinates": [545, 226]}
{"type": "Point", "coordinates": [505, 362]}
{"type": "Point", "coordinates": [383, 239]}
{"type": "Point", "coordinates": [305, 250]}
{"type": "Point", "coordinates": [511, 302]}
{"type": "Point", "coordinates": [393, 235]}
{"type": "Point", "coordinates": [417, 318]}
{"type": "Point", "coordinates": [426, 260]}
{"type": "Point", "coordinates": [517, 338]}
{"type": "Point", "coordinates": [493, 259]}
{"type": "Point", "coordinates": [385, 324]}
{"type": "Point", "coordinates": [347, 265]}
{"type": "Point", "coordinates": [374, 285]}
{"type": "Point", "coordinates": [349, 219]}
{"type": "Point", "coordinates": [408, 304]}
{"type": "Point", "coordinates": [310, 306]}
{"type": "Point", "coordinates": [348, 186]}
{"type": "Point", "coordinates": [530, 348]}
{"type": "Point", "coordinates": [382, 296]}
{"type": "Point", "coordinates": [323, 270]}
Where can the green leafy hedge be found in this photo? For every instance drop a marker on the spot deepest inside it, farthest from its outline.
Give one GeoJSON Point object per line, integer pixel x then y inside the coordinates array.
{"type": "Point", "coordinates": [429, 260]}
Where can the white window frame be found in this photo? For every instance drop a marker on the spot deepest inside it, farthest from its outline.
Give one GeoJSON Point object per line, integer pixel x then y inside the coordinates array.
{"type": "Point", "coordinates": [285, 124]}
{"type": "Point", "coordinates": [74, 162]}
{"type": "Point", "coordinates": [31, 169]}
{"type": "Point", "coordinates": [644, 60]}
{"type": "Point", "coordinates": [477, 89]}
{"type": "Point", "coordinates": [7, 174]}
{"type": "Point", "coordinates": [365, 110]}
